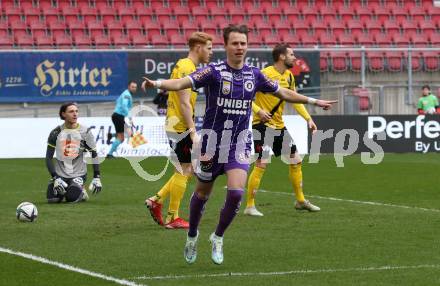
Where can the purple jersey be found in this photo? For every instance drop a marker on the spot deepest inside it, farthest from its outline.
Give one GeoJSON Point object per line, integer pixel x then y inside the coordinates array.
{"type": "Point", "coordinates": [229, 94]}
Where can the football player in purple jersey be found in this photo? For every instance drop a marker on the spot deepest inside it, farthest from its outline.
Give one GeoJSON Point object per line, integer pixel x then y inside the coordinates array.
{"type": "Point", "coordinates": [225, 145]}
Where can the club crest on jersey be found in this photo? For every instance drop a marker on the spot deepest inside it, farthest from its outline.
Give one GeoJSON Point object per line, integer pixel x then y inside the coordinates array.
{"type": "Point", "coordinates": [237, 76]}
{"type": "Point", "coordinates": [249, 85]}
{"type": "Point", "coordinates": [226, 87]}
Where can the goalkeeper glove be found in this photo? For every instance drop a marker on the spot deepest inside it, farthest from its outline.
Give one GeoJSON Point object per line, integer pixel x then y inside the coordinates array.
{"type": "Point", "coordinates": [95, 186]}
{"type": "Point", "coordinates": [59, 186]}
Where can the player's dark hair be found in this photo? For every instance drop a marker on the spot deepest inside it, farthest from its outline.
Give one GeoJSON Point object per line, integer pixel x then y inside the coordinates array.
{"type": "Point", "coordinates": [278, 50]}
{"type": "Point", "coordinates": [426, 86]}
{"type": "Point", "coordinates": [64, 107]}
{"type": "Point", "coordinates": [131, 81]}
{"type": "Point", "coordinates": [242, 29]}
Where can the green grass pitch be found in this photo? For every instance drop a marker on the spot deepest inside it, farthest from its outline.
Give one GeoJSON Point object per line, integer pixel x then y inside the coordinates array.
{"type": "Point", "coordinates": [347, 243]}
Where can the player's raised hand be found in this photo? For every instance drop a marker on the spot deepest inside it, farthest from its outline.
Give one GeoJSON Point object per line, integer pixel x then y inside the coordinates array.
{"type": "Point", "coordinates": [325, 104]}
{"type": "Point", "coordinates": [312, 125]}
{"type": "Point", "coordinates": [59, 186]}
{"type": "Point", "coordinates": [95, 186]}
{"type": "Point", "coordinates": [264, 115]}
{"type": "Point", "coordinates": [147, 83]}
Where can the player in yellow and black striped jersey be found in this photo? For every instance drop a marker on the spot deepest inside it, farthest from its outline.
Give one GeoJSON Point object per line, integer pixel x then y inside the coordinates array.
{"type": "Point", "coordinates": [274, 135]}
{"type": "Point", "coordinates": [179, 122]}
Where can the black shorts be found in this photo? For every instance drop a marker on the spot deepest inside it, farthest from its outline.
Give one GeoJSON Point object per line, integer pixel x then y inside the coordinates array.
{"type": "Point", "coordinates": [281, 138]}
{"type": "Point", "coordinates": [119, 122]}
{"type": "Point", "coordinates": [181, 146]}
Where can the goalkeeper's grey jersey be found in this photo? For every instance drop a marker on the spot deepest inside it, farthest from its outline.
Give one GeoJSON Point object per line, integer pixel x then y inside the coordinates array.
{"type": "Point", "coordinates": [70, 145]}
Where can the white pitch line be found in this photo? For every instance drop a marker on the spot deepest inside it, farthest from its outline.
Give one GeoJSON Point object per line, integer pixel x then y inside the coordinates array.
{"type": "Point", "coordinates": [70, 268]}
{"type": "Point", "coordinates": [356, 202]}
{"type": "Point", "coordinates": [279, 273]}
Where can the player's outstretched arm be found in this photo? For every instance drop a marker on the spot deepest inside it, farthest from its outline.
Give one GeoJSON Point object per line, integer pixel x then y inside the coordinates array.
{"type": "Point", "coordinates": [168, 84]}
{"type": "Point", "coordinates": [294, 97]}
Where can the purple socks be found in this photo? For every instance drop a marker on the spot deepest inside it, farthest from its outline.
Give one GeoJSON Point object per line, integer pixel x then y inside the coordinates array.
{"type": "Point", "coordinates": [229, 210]}
{"type": "Point", "coordinates": [196, 208]}
{"type": "Point", "coordinates": [227, 214]}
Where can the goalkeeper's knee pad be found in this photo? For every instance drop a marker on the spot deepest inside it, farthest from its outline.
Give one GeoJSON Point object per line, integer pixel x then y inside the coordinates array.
{"type": "Point", "coordinates": [74, 193]}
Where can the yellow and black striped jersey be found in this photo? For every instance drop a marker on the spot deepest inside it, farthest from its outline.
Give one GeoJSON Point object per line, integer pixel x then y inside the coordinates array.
{"type": "Point", "coordinates": [174, 120]}
{"type": "Point", "coordinates": [268, 101]}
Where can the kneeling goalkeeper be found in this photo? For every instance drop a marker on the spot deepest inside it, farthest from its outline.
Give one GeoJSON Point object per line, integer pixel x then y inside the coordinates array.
{"type": "Point", "coordinates": [70, 140]}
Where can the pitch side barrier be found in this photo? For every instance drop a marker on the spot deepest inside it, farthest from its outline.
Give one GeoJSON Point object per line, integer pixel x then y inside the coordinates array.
{"type": "Point", "coordinates": [375, 134]}
{"type": "Point", "coordinates": [92, 75]}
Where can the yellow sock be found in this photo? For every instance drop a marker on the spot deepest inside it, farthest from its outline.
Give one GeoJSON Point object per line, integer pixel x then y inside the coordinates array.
{"type": "Point", "coordinates": [253, 185]}
{"type": "Point", "coordinates": [296, 177]}
{"type": "Point", "coordinates": [164, 192]}
{"type": "Point", "coordinates": [178, 187]}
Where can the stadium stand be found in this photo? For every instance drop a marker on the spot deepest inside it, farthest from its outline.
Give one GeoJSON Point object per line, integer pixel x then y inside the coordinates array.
{"type": "Point", "coordinates": [115, 24]}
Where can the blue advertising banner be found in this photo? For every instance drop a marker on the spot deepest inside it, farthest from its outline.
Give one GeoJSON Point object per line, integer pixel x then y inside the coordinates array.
{"type": "Point", "coordinates": [62, 76]}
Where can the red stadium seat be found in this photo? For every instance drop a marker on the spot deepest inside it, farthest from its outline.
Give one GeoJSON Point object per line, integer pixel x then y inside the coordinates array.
{"type": "Point", "coordinates": [159, 40]}
{"type": "Point", "coordinates": [339, 61]}
{"type": "Point", "coordinates": [200, 13]}
{"type": "Point", "coordinates": [319, 28]}
{"type": "Point", "coordinates": [271, 40]}
{"type": "Point", "coordinates": [75, 26]}
{"type": "Point", "coordinates": [394, 61]}
{"type": "Point", "coordinates": [125, 13]}
{"type": "Point", "coordinates": [106, 12]}
{"type": "Point", "coordinates": [139, 41]}
{"type": "Point", "coordinates": [431, 60]}
{"type": "Point", "coordinates": [6, 42]}
{"type": "Point", "coordinates": [87, 12]}
{"type": "Point", "coordinates": [427, 27]}
{"type": "Point", "coordinates": [309, 13]}
{"type": "Point", "coordinates": [12, 13]}
{"type": "Point", "coordinates": [380, 13]}
{"type": "Point", "coordinates": [382, 40]}
{"type": "Point", "coordinates": [373, 27]}
{"type": "Point", "coordinates": [326, 12]}
{"type": "Point", "coordinates": [364, 40]}
{"type": "Point", "coordinates": [251, 9]}
{"type": "Point", "coordinates": [327, 40]}
{"type": "Point", "coordinates": [121, 41]}
{"type": "Point", "coordinates": [362, 12]}
{"type": "Point", "coordinates": [177, 40]}
{"type": "Point", "coordinates": [95, 28]}
{"type": "Point", "coordinates": [43, 42]}
{"type": "Point", "coordinates": [391, 27]}
{"type": "Point", "coordinates": [323, 62]}
{"type": "Point", "coordinates": [64, 42]}
{"type": "Point", "coordinates": [170, 26]}
{"type": "Point", "coordinates": [434, 39]}
{"type": "Point", "coordinates": [337, 27]}
{"type": "Point", "coordinates": [398, 12]}
{"type": "Point", "coordinates": [101, 41]}
{"type": "Point", "coordinates": [24, 41]}
{"type": "Point", "coordinates": [355, 61]}
{"type": "Point", "coordinates": [255, 40]}
{"type": "Point", "coordinates": [416, 12]}
{"type": "Point", "coordinates": [304, 40]}
{"type": "Point", "coordinates": [346, 13]}
{"type": "Point", "coordinates": [419, 40]}
{"type": "Point", "coordinates": [376, 61]}
{"type": "Point", "coordinates": [292, 39]}
{"type": "Point", "coordinates": [114, 28]}
{"type": "Point", "coordinates": [408, 27]}
{"type": "Point", "coordinates": [346, 40]}
{"type": "Point", "coordinates": [415, 60]}
{"type": "Point", "coordinates": [37, 26]}
{"type": "Point", "coordinates": [355, 27]}
{"type": "Point", "coordinates": [401, 40]}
